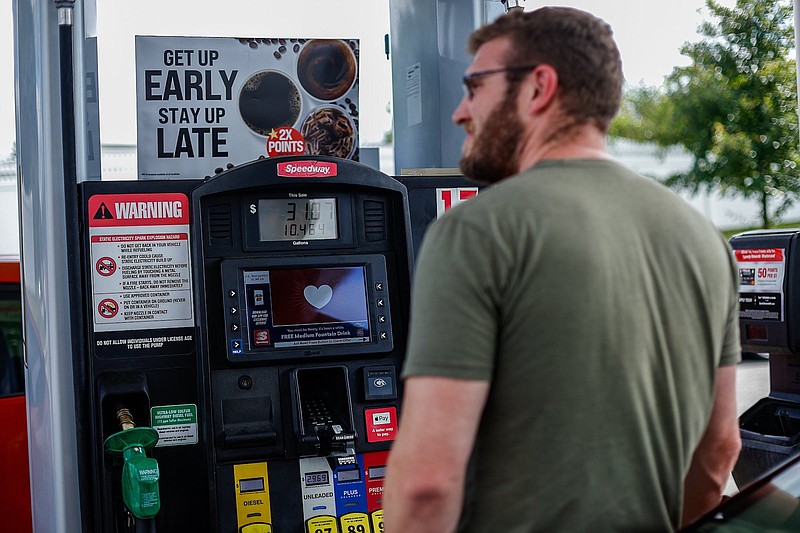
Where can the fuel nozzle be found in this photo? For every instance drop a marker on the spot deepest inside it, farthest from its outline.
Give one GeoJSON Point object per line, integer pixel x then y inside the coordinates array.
{"type": "Point", "coordinates": [140, 473]}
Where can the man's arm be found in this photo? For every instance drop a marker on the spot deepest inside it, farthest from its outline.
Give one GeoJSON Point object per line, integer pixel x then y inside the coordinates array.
{"type": "Point", "coordinates": [424, 484]}
{"type": "Point", "coordinates": [717, 452]}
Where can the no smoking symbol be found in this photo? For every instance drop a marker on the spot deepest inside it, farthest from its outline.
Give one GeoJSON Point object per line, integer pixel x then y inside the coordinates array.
{"type": "Point", "coordinates": [108, 308]}
{"type": "Point", "coordinates": [105, 266]}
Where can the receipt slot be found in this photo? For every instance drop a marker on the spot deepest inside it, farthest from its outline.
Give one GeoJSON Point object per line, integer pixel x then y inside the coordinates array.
{"type": "Point", "coordinates": [302, 290]}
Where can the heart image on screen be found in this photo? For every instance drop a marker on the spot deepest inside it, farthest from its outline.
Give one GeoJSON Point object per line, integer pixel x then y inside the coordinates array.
{"type": "Point", "coordinates": [318, 296]}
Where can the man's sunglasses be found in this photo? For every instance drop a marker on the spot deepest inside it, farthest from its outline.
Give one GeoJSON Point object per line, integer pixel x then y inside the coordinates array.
{"type": "Point", "coordinates": [469, 79]}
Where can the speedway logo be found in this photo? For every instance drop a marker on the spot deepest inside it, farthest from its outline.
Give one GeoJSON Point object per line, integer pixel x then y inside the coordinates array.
{"type": "Point", "coordinates": [307, 169]}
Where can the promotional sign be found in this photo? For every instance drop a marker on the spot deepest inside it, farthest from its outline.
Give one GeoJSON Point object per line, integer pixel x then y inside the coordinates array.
{"type": "Point", "coordinates": [761, 273]}
{"type": "Point", "coordinates": [204, 103]}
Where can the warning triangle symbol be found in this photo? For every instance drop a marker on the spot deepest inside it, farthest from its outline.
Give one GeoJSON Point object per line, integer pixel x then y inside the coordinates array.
{"type": "Point", "coordinates": [103, 213]}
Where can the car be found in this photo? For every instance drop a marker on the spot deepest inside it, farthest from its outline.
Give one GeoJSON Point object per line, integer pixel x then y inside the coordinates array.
{"type": "Point", "coordinates": [15, 488]}
{"type": "Point", "coordinates": [770, 503]}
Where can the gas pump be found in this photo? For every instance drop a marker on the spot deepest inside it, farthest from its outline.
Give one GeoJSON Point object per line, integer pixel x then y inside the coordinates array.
{"type": "Point", "coordinates": [304, 266]}
{"type": "Point", "coordinates": [253, 325]}
{"type": "Point", "coordinates": [769, 296]}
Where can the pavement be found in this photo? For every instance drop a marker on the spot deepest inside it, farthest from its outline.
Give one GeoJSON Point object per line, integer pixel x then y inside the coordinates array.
{"type": "Point", "coordinates": [752, 384]}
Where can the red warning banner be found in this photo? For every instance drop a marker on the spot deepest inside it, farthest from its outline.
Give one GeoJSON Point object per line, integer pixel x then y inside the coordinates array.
{"type": "Point", "coordinates": [116, 210]}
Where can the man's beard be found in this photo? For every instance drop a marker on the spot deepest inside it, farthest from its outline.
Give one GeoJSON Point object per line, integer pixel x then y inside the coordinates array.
{"type": "Point", "coordinates": [493, 156]}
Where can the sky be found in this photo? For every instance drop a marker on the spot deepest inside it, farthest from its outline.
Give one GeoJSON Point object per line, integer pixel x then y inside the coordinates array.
{"type": "Point", "coordinates": [649, 34]}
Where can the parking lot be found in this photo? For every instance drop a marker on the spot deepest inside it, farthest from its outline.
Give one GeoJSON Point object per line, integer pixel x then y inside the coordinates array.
{"type": "Point", "coordinates": [752, 384]}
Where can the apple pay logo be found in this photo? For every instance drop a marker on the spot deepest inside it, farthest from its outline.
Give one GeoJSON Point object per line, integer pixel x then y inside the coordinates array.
{"type": "Point", "coordinates": [382, 419]}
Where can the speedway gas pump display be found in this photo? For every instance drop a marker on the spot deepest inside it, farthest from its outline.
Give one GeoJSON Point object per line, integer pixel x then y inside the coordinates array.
{"type": "Point", "coordinates": [253, 325]}
{"type": "Point", "coordinates": [293, 219]}
{"type": "Point", "coordinates": [305, 267]}
{"type": "Point", "coordinates": [291, 305]}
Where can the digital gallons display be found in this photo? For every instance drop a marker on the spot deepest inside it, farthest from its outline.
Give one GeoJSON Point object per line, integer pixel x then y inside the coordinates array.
{"type": "Point", "coordinates": [297, 219]}
{"type": "Point", "coordinates": [295, 307]}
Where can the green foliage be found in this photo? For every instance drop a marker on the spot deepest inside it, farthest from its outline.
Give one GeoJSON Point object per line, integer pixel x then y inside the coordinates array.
{"type": "Point", "coordinates": [734, 108]}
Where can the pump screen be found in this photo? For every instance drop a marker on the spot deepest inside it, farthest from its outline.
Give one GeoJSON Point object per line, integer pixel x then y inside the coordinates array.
{"type": "Point", "coordinates": [297, 219]}
{"type": "Point", "coordinates": [291, 307]}
{"type": "Point", "coordinates": [255, 484]}
{"type": "Point", "coordinates": [316, 479]}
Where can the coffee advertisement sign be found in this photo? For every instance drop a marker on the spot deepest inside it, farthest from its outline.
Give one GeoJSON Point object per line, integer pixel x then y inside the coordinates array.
{"type": "Point", "coordinates": [206, 103]}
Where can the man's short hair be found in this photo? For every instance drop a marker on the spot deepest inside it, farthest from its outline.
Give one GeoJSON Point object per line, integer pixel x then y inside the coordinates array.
{"type": "Point", "coordinates": [578, 45]}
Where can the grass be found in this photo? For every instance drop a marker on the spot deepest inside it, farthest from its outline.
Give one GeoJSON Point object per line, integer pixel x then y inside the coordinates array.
{"type": "Point", "coordinates": [731, 232]}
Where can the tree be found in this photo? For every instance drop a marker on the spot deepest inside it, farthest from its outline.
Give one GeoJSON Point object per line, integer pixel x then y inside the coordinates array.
{"type": "Point", "coordinates": [734, 108]}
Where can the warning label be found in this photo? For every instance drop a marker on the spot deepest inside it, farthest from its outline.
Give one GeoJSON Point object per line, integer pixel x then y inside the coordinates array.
{"type": "Point", "coordinates": [175, 424]}
{"type": "Point", "coordinates": [142, 273]}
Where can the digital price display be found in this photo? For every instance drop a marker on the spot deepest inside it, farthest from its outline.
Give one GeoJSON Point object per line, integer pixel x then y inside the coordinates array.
{"type": "Point", "coordinates": [349, 475]}
{"type": "Point", "coordinates": [297, 219]}
{"type": "Point", "coordinates": [316, 479]}
{"type": "Point", "coordinates": [251, 485]}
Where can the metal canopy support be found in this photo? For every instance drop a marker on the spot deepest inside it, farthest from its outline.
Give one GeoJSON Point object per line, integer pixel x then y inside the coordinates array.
{"type": "Point", "coordinates": [428, 52]}
{"type": "Point", "coordinates": [46, 158]}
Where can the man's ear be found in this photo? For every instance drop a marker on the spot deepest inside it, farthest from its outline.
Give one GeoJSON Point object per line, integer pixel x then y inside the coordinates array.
{"type": "Point", "coordinates": [541, 85]}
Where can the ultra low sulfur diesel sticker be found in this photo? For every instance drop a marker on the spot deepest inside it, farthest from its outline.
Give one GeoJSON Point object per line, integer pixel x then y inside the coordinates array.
{"type": "Point", "coordinates": [141, 276]}
{"type": "Point", "coordinates": [175, 424]}
{"type": "Point", "coordinates": [761, 276]}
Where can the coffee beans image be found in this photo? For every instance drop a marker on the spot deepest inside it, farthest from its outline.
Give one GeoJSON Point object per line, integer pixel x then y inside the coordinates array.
{"type": "Point", "coordinates": [326, 68]}
{"type": "Point", "coordinates": [329, 131]}
{"type": "Point", "coordinates": [268, 100]}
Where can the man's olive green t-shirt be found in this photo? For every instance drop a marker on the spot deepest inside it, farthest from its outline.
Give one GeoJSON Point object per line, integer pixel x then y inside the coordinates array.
{"type": "Point", "coordinates": [599, 304]}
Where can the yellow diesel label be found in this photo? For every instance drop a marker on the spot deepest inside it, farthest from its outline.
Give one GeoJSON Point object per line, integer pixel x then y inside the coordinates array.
{"type": "Point", "coordinates": [252, 495]}
{"type": "Point", "coordinates": [322, 524]}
